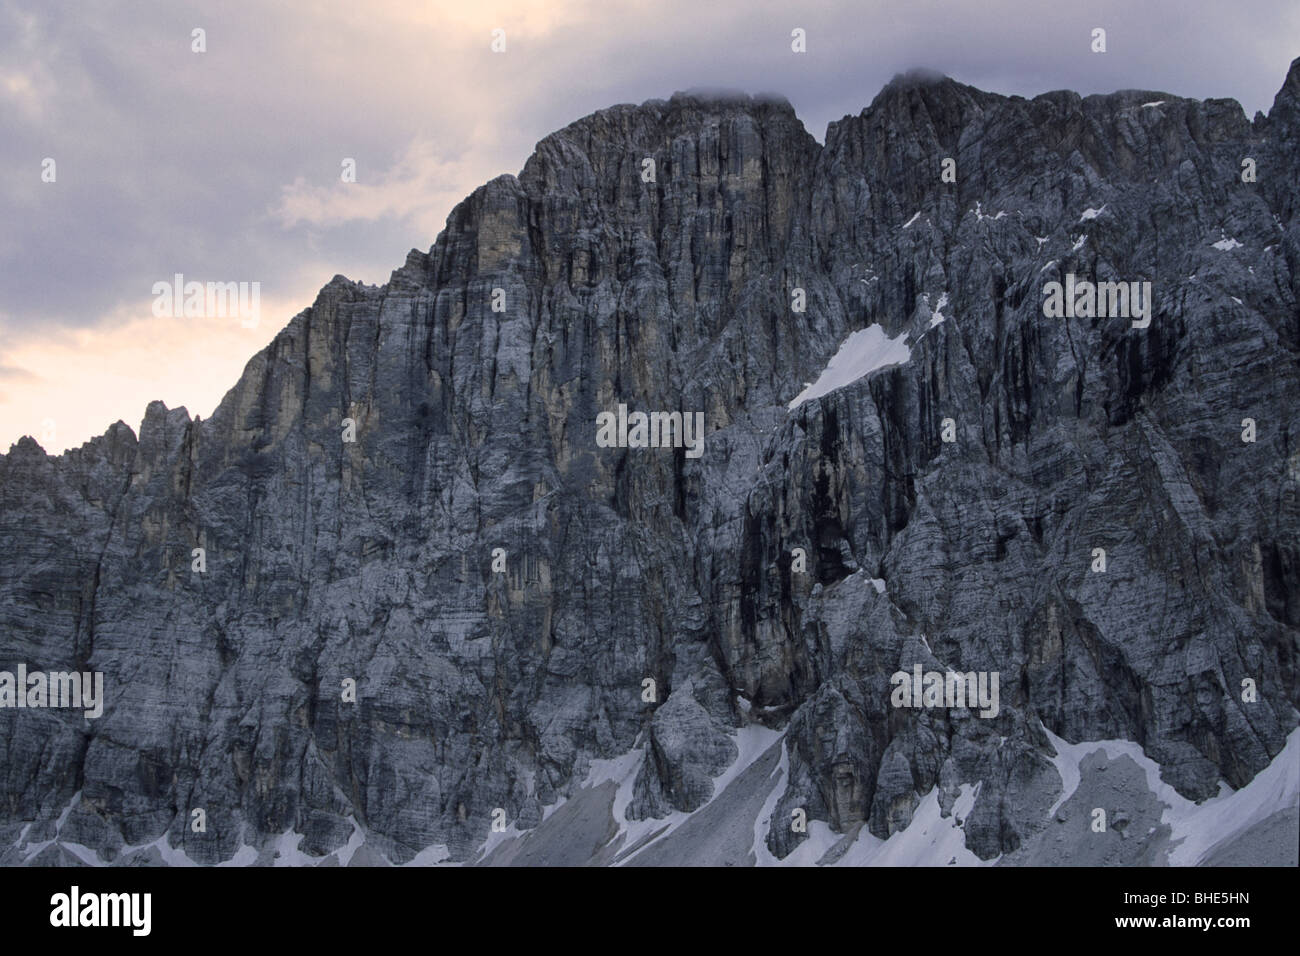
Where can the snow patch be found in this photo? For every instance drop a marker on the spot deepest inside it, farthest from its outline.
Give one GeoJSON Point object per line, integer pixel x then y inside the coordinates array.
{"type": "Point", "coordinates": [288, 854]}
{"type": "Point", "coordinates": [1153, 103]}
{"type": "Point", "coordinates": [751, 743]}
{"type": "Point", "coordinates": [244, 856]}
{"type": "Point", "coordinates": [83, 853]}
{"type": "Point", "coordinates": [357, 838]}
{"type": "Point", "coordinates": [979, 213]}
{"type": "Point", "coordinates": [937, 315]}
{"type": "Point", "coordinates": [1202, 826]}
{"type": "Point", "coordinates": [912, 220]}
{"type": "Point", "coordinates": [35, 850]}
{"type": "Point", "coordinates": [820, 839]}
{"type": "Point", "coordinates": [433, 855]}
{"type": "Point", "coordinates": [496, 837]}
{"type": "Point", "coordinates": [1091, 213]}
{"type": "Point", "coordinates": [862, 353]}
{"type": "Point", "coordinates": [1196, 827]}
{"type": "Point", "coordinates": [171, 856]}
{"type": "Point", "coordinates": [1226, 244]}
{"type": "Point", "coordinates": [929, 840]}
{"type": "Point", "coordinates": [762, 823]}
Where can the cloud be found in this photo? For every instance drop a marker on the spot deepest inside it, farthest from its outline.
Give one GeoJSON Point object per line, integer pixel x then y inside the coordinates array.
{"type": "Point", "coordinates": [13, 373]}
{"type": "Point", "coordinates": [77, 382]}
{"type": "Point", "coordinates": [419, 188]}
{"type": "Point", "coordinates": [20, 91]}
{"type": "Point", "coordinates": [225, 165]}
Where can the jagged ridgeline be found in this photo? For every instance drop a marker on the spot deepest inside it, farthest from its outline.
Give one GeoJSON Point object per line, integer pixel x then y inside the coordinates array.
{"type": "Point", "coordinates": [394, 597]}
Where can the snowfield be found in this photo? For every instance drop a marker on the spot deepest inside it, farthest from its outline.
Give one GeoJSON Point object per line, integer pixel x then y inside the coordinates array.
{"type": "Point", "coordinates": [862, 353]}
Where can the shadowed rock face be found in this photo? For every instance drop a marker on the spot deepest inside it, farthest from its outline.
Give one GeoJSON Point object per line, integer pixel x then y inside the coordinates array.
{"type": "Point", "coordinates": [476, 429]}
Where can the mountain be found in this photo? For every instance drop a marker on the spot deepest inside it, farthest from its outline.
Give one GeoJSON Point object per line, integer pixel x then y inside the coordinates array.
{"type": "Point", "coordinates": [912, 458]}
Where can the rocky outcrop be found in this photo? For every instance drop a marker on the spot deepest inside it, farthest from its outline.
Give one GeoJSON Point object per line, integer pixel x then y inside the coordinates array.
{"type": "Point", "coordinates": [944, 511]}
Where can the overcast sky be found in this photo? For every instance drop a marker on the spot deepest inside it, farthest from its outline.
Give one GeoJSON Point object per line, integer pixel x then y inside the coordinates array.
{"type": "Point", "coordinates": [225, 165]}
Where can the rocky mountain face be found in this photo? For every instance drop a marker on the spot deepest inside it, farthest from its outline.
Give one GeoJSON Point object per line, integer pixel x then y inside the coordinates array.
{"type": "Point", "coordinates": [944, 510]}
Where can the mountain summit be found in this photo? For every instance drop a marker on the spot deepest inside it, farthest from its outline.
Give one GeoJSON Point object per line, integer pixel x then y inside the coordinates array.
{"type": "Point", "coordinates": [394, 601]}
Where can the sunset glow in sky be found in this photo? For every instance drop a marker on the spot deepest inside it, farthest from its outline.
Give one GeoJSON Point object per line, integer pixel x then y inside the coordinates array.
{"type": "Point", "coordinates": [225, 165]}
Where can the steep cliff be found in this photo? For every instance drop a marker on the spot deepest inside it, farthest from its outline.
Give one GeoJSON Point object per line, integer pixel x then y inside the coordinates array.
{"type": "Point", "coordinates": [948, 503]}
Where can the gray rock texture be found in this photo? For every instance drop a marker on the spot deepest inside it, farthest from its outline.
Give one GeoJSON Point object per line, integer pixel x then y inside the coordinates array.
{"type": "Point", "coordinates": [475, 430]}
